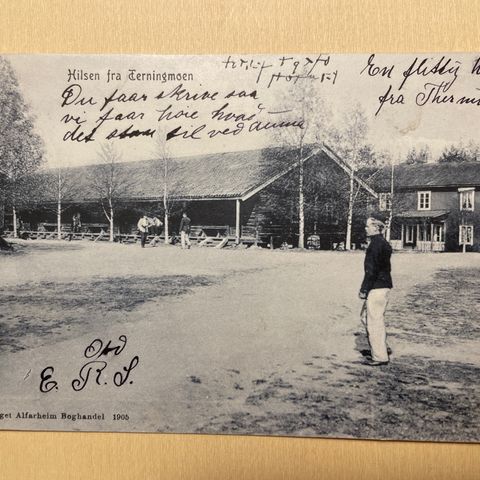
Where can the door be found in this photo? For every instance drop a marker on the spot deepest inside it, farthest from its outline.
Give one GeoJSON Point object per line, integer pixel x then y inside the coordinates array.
{"type": "Point", "coordinates": [410, 236]}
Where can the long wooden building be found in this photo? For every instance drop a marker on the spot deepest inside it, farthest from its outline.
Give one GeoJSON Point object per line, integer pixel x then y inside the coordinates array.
{"type": "Point", "coordinates": [227, 191]}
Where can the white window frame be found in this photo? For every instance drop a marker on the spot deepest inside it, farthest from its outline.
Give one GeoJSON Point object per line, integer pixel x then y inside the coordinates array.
{"type": "Point", "coordinates": [461, 234]}
{"type": "Point", "coordinates": [384, 202]}
{"type": "Point", "coordinates": [427, 194]}
{"type": "Point", "coordinates": [467, 192]}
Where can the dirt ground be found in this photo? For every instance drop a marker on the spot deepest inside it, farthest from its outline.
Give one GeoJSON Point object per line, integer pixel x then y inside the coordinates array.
{"type": "Point", "coordinates": [244, 342]}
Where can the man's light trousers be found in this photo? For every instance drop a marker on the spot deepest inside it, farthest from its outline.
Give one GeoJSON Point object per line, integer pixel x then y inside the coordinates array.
{"type": "Point", "coordinates": [377, 302]}
{"type": "Point", "coordinates": [185, 239]}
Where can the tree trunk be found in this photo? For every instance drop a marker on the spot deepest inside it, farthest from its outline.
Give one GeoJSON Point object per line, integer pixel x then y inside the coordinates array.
{"type": "Point", "coordinates": [388, 230]}
{"type": "Point", "coordinates": [301, 207]}
{"type": "Point", "coordinates": [348, 239]}
{"type": "Point", "coordinates": [388, 233]}
{"type": "Point", "coordinates": [111, 225]}
{"type": "Point", "coordinates": [165, 200]}
{"type": "Point", "coordinates": [15, 232]}
{"type": "Point", "coordinates": [59, 220]}
{"type": "Point", "coordinates": [165, 230]}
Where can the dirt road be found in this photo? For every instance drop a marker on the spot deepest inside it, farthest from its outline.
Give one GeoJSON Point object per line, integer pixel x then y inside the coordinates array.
{"type": "Point", "coordinates": [243, 341]}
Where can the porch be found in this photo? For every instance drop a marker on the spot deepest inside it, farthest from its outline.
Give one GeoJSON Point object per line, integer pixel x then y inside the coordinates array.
{"type": "Point", "coordinates": [421, 231]}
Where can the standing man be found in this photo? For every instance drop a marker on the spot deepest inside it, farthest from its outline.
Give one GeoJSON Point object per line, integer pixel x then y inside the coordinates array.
{"type": "Point", "coordinates": [375, 290]}
{"type": "Point", "coordinates": [143, 225]}
{"type": "Point", "coordinates": [185, 231]}
{"type": "Point", "coordinates": [76, 225]}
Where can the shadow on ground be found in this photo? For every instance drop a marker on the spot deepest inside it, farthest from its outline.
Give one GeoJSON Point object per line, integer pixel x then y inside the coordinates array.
{"type": "Point", "coordinates": [42, 309]}
{"type": "Point", "coordinates": [414, 397]}
{"type": "Point", "coordinates": [28, 248]}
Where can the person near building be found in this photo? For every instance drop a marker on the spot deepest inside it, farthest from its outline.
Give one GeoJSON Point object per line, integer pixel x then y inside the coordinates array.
{"type": "Point", "coordinates": [185, 231]}
{"type": "Point", "coordinates": [375, 291]}
{"type": "Point", "coordinates": [143, 225]}
{"type": "Point", "coordinates": [155, 226]}
{"type": "Point", "coordinates": [76, 225]}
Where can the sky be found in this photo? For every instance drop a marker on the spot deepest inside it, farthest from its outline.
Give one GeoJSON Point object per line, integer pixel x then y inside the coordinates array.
{"type": "Point", "coordinates": [272, 86]}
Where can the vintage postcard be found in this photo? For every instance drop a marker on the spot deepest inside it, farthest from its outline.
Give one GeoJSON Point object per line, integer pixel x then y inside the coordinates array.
{"type": "Point", "coordinates": [241, 244]}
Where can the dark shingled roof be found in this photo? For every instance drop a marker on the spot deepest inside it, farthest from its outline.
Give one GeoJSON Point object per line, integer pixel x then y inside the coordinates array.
{"type": "Point", "coordinates": [429, 175]}
{"type": "Point", "coordinates": [213, 176]}
{"type": "Point", "coordinates": [423, 214]}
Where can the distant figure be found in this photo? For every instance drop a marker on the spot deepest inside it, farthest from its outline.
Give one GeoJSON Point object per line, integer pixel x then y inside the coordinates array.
{"type": "Point", "coordinates": [19, 226]}
{"type": "Point", "coordinates": [375, 290]}
{"type": "Point", "coordinates": [143, 225]}
{"type": "Point", "coordinates": [185, 231]}
{"type": "Point", "coordinates": [76, 223]}
{"type": "Point", "coordinates": [155, 227]}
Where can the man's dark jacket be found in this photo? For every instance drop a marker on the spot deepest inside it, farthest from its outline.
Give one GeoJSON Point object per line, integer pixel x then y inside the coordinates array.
{"type": "Point", "coordinates": [185, 225]}
{"type": "Point", "coordinates": [377, 265]}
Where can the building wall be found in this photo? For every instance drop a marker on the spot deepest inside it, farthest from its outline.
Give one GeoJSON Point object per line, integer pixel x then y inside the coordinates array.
{"type": "Point", "coordinates": [2, 216]}
{"type": "Point", "coordinates": [440, 200]}
{"type": "Point", "coordinates": [443, 200]}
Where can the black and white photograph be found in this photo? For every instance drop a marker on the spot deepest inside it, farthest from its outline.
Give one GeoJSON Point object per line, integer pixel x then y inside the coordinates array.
{"type": "Point", "coordinates": [247, 244]}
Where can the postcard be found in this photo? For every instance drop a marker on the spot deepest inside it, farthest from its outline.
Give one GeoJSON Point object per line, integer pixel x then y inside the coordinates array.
{"type": "Point", "coordinates": [241, 244]}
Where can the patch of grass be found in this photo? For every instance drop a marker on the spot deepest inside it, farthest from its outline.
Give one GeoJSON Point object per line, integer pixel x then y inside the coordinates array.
{"type": "Point", "coordinates": [442, 310]}
{"type": "Point", "coordinates": [34, 246]}
{"type": "Point", "coordinates": [395, 402]}
{"type": "Point", "coordinates": [47, 308]}
{"type": "Point", "coordinates": [105, 294]}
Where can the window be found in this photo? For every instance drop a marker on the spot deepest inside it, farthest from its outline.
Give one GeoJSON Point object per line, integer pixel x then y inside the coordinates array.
{"type": "Point", "coordinates": [384, 201]}
{"type": "Point", "coordinates": [465, 235]}
{"type": "Point", "coordinates": [467, 198]}
{"type": "Point", "coordinates": [424, 200]}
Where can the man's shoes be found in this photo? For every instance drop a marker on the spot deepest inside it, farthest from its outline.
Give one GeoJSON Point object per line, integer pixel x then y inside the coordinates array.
{"type": "Point", "coordinates": [374, 363]}
{"type": "Point", "coordinates": [368, 353]}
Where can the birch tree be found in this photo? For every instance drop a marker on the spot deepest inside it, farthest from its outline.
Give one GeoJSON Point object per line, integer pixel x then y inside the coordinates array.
{"type": "Point", "coordinates": [303, 103]}
{"type": "Point", "coordinates": [57, 190]}
{"type": "Point", "coordinates": [21, 148]}
{"type": "Point", "coordinates": [111, 183]}
{"type": "Point", "coordinates": [349, 142]}
{"type": "Point", "coordinates": [163, 172]}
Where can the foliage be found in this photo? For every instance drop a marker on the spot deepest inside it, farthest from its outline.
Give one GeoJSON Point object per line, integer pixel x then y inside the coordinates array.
{"type": "Point", "coordinates": [350, 139]}
{"type": "Point", "coordinates": [460, 153]}
{"type": "Point", "coordinates": [312, 113]}
{"type": "Point", "coordinates": [418, 157]}
{"type": "Point", "coordinates": [57, 188]}
{"type": "Point", "coordinates": [111, 182]}
{"type": "Point", "coordinates": [21, 148]}
{"type": "Point", "coordinates": [318, 192]}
